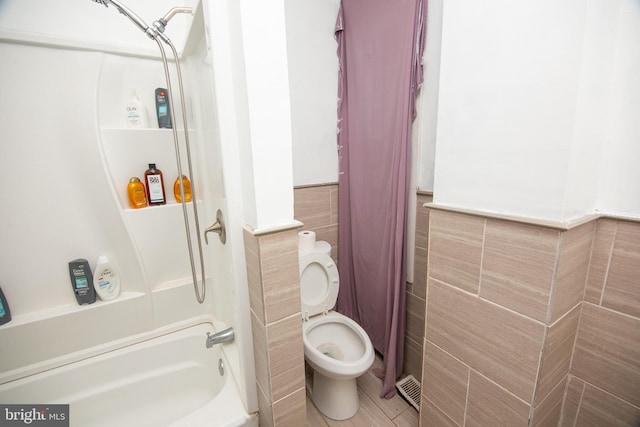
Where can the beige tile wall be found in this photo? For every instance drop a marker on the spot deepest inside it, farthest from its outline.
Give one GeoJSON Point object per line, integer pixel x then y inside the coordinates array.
{"type": "Point", "coordinates": [274, 294]}
{"type": "Point", "coordinates": [507, 332]}
{"type": "Point", "coordinates": [604, 386]}
{"type": "Point", "coordinates": [491, 284]}
{"type": "Point", "coordinates": [317, 208]}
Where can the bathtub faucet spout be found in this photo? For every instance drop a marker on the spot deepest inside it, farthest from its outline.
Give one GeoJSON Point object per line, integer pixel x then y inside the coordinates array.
{"type": "Point", "coordinates": [220, 337]}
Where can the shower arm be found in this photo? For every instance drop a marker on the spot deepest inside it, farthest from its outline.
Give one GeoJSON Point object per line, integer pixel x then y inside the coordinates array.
{"type": "Point", "coordinates": [160, 24]}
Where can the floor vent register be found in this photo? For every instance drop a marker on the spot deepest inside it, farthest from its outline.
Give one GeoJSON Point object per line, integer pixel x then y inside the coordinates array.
{"type": "Point", "coordinates": [409, 387]}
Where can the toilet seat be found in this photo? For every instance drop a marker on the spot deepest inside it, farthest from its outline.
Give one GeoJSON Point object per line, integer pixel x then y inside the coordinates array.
{"type": "Point", "coordinates": [319, 284]}
{"type": "Point", "coordinates": [352, 341]}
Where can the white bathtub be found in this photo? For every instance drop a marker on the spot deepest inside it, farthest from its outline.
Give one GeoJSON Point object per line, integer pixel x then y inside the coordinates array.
{"type": "Point", "coordinates": [169, 380]}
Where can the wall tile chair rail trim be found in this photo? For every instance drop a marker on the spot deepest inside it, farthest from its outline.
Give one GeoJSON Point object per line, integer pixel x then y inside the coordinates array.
{"type": "Point", "coordinates": [274, 229]}
{"type": "Point", "coordinates": [324, 184]}
{"type": "Point", "coordinates": [555, 225]}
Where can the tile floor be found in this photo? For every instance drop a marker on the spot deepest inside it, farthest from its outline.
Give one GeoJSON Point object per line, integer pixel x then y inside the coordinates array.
{"type": "Point", "coordinates": [374, 411]}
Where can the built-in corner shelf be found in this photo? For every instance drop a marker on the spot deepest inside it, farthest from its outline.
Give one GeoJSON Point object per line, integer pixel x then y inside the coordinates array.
{"type": "Point", "coordinates": [172, 208]}
{"type": "Point", "coordinates": [51, 337]}
{"type": "Point", "coordinates": [171, 204]}
{"type": "Point", "coordinates": [128, 153]}
{"type": "Point", "coordinates": [158, 232]}
{"type": "Point", "coordinates": [40, 315]}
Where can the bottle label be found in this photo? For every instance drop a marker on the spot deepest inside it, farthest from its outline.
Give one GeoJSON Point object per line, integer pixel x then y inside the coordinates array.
{"type": "Point", "coordinates": [139, 197]}
{"type": "Point", "coordinates": [133, 116]}
{"type": "Point", "coordinates": [105, 280]}
{"type": "Point", "coordinates": [163, 110]}
{"type": "Point", "coordinates": [2, 312]}
{"type": "Point", "coordinates": [156, 192]}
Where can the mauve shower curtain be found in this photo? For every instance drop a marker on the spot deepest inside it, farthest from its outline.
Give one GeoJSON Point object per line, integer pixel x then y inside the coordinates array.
{"type": "Point", "coordinates": [380, 44]}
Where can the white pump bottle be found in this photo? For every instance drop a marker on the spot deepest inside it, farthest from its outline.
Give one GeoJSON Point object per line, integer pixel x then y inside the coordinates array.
{"type": "Point", "coordinates": [106, 279]}
{"type": "Point", "coordinates": [136, 112]}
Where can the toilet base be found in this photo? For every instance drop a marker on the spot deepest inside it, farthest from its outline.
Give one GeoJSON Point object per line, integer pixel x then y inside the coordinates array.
{"type": "Point", "coordinates": [336, 399]}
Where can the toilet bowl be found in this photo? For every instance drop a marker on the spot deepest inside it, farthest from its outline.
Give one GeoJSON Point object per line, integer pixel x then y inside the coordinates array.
{"type": "Point", "coordinates": [335, 346]}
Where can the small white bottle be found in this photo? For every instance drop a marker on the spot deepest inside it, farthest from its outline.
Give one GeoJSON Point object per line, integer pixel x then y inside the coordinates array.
{"type": "Point", "coordinates": [136, 112]}
{"type": "Point", "coordinates": [106, 279]}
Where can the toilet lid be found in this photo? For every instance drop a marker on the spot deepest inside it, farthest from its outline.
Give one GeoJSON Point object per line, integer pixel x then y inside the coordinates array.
{"type": "Point", "coordinates": [319, 283]}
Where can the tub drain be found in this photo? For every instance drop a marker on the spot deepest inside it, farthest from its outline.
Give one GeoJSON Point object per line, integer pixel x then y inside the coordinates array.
{"type": "Point", "coordinates": [221, 367]}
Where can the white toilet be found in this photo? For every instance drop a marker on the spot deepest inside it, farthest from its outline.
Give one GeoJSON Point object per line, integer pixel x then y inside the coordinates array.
{"type": "Point", "coordinates": [335, 346]}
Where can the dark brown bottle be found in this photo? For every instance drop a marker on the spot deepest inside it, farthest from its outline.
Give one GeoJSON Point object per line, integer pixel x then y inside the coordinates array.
{"type": "Point", "coordinates": [155, 186]}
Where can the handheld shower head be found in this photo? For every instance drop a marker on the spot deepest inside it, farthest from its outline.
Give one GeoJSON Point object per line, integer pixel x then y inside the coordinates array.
{"type": "Point", "coordinates": [131, 15]}
{"type": "Point", "coordinates": [158, 26]}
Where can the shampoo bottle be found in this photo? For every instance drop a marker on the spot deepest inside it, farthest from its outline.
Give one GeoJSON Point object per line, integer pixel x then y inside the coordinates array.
{"type": "Point", "coordinates": [155, 186]}
{"type": "Point", "coordinates": [186, 184]}
{"type": "Point", "coordinates": [136, 113]}
{"type": "Point", "coordinates": [163, 111]}
{"type": "Point", "coordinates": [137, 194]}
{"type": "Point", "coordinates": [82, 281]}
{"type": "Point", "coordinates": [106, 279]}
{"type": "Point", "coordinates": [5, 313]}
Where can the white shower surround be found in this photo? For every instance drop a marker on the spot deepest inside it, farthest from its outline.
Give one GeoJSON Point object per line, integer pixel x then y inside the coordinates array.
{"type": "Point", "coordinates": [72, 77]}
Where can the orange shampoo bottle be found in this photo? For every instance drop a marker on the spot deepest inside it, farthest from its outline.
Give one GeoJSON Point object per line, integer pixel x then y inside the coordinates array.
{"type": "Point", "coordinates": [137, 194]}
{"type": "Point", "coordinates": [188, 196]}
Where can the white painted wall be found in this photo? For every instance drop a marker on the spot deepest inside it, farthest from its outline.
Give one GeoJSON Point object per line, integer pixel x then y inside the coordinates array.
{"type": "Point", "coordinates": [619, 192]}
{"type": "Point", "coordinates": [508, 86]}
{"type": "Point", "coordinates": [536, 108]}
{"type": "Point", "coordinates": [426, 123]}
{"type": "Point", "coordinates": [267, 89]}
{"type": "Point", "coordinates": [313, 82]}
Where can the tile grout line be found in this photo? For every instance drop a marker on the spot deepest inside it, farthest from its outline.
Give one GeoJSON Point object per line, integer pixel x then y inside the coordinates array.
{"type": "Point", "coordinates": [466, 398]}
{"type": "Point", "coordinates": [575, 419]}
{"type": "Point", "coordinates": [484, 237]}
{"type": "Point", "coordinates": [606, 274]}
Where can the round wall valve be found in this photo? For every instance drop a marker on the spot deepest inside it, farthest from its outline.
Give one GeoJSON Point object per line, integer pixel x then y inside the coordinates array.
{"type": "Point", "coordinates": [217, 227]}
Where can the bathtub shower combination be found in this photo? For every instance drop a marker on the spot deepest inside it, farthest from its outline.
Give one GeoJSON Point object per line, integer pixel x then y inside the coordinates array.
{"type": "Point", "coordinates": [156, 366]}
